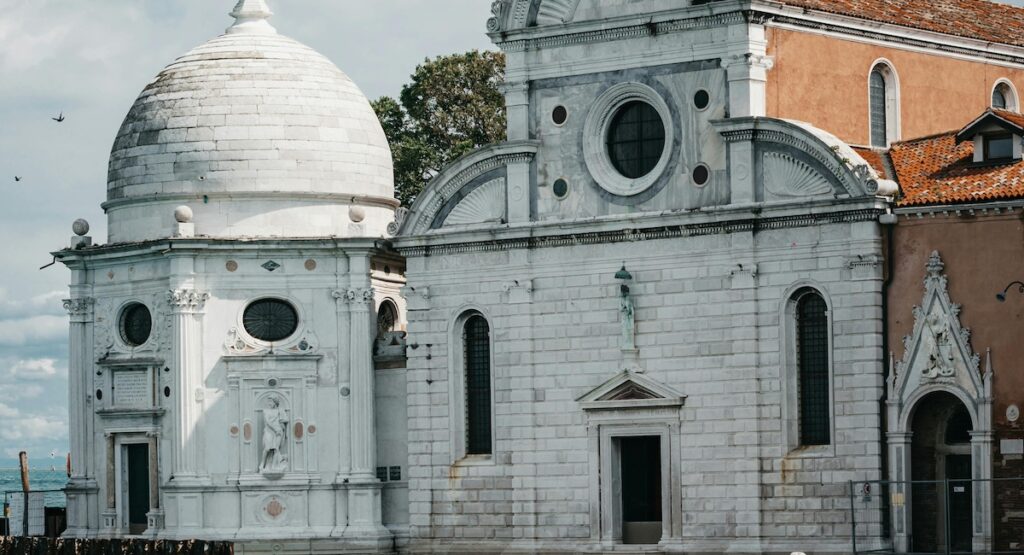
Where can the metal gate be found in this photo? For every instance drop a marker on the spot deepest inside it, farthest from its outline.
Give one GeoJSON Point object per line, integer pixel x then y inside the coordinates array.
{"type": "Point", "coordinates": [942, 516]}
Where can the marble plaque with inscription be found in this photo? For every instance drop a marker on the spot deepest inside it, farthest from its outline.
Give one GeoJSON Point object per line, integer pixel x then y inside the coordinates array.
{"type": "Point", "coordinates": [132, 389]}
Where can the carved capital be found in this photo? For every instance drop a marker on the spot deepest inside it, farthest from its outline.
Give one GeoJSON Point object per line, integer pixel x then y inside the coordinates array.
{"type": "Point", "coordinates": [354, 296]}
{"type": "Point", "coordinates": [187, 300]}
{"type": "Point", "coordinates": [79, 307]}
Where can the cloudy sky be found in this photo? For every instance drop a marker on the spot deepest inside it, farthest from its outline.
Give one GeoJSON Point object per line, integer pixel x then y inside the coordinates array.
{"type": "Point", "coordinates": [90, 59]}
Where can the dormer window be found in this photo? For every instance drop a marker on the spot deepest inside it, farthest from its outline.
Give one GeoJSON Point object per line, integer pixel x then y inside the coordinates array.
{"type": "Point", "coordinates": [998, 147]}
{"type": "Point", "coordinates": [997, 136]}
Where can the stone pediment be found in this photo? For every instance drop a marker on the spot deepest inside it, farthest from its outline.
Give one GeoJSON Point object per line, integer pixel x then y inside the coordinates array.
{"type": "Point", "coordinates": [630, 390]}
{"type": "Point", "coordinates": [938, 352]}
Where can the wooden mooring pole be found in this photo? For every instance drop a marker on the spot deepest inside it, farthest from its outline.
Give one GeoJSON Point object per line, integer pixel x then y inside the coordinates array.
{"type": "Point", "coordinates": [26, 488]}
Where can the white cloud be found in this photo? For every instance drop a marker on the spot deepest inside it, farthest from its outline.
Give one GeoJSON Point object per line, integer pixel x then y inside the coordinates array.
{"type": "Point", "coordinates": [32, 428]}
{"type": "Point", "coordinates": [8, 412]}
{"type": "Point", "coordinates": [37, 368]}
{"type": "Point", "coordinates": [33, 329]}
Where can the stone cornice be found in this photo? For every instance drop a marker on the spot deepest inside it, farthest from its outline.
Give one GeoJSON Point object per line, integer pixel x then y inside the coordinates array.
{"type": "Point", "coordinates": [761, 12]}
{"type": "Point", "coordinates": [642, 232]}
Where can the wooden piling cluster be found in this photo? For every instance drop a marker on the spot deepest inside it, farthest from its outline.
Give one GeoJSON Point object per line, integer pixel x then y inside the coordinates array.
{"type": "Point", "coordinates": [47, 546]}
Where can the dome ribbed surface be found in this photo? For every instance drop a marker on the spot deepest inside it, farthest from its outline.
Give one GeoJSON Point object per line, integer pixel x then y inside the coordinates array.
{"type": "Point", "coordinates": [250, 113]}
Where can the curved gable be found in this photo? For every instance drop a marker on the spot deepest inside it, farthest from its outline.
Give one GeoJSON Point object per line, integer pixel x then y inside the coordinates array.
{"type": "Point", "coordinates": [468, 193]}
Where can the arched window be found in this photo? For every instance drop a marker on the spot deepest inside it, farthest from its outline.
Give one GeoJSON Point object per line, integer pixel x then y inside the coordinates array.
{"type": "Point", "coordinates": [1004, 97]}
{"type": "Point", "coordinates": [812, 358]}
{"type": "Point", "coordinates": [476, 356]}
{"type": "Point", "coordinates": [883, 96]}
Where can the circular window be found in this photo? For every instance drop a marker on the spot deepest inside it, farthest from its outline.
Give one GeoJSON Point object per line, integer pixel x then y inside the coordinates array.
{"type": "Point", "coordinates": [628, 136]}
{"type": "Point", "coordinates": [636, 139]}
{"type": "Point", "coordinates": [270, 320]}
{"type": "Point", "coordinates": [136, 324]}
{"type": "Point", "coordinates": [560, 188]}
{"type": "Point", "coordinates": [702, 99]}
{"type": "Point", "coordinates": [701, 175]}
{"type": "Point", "coordinates": [560, 115]}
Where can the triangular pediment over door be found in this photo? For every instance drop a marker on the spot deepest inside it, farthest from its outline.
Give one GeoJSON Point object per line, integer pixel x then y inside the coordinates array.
{"type": "Point", "coordinates": [630, 390]}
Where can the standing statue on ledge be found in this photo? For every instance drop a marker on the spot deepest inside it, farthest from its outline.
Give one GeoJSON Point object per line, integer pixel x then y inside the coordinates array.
{"type": "Point", "coordinates": [940, 361]}
{"type": "Point", "coordinates": [628, 320]}
{"type": "Point", "coordinates": [275, 426]}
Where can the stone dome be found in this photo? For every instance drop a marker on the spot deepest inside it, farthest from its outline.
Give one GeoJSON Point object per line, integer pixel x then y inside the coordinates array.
{"type": "Point", "coordinates": [259, 135]}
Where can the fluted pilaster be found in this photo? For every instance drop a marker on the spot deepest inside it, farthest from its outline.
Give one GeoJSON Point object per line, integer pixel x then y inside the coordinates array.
{"type": "Point", "coordinates": [361, 380]}
{"type": "Point", "coordinates": [186, 359]}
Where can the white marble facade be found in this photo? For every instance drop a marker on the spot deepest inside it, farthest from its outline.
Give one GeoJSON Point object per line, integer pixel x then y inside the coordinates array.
{"type": "Point", "coordinates": [658, 306]}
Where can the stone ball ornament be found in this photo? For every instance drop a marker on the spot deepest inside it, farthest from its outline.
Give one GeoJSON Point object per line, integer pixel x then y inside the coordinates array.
{"type": "Point", "coordinates": [357, 214]}
{"type": "Point", "coordinates": [183, 215]}
{"type": "Point", "coordinates": [80, 227]}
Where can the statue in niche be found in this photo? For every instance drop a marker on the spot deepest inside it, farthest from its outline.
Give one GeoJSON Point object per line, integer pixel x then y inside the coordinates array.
{"type": "Point", "coordinates": [275, 429]}
{"type": "Point", "coordinates": [940, 360]}
{"type": "Point", "coordinates": [628, 320]}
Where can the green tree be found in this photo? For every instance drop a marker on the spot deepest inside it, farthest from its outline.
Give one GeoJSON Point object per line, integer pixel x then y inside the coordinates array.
{"type": "Point", "coordinates": [451, 107]}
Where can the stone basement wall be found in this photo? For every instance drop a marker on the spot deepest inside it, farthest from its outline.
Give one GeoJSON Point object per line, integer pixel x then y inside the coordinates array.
{"type": "Point", "coordinates": [705, 327]}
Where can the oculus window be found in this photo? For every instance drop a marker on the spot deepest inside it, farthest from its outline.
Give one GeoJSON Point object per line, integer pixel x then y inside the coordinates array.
{"type": "Point", "coordinates": [136, 324]}
{"type": "Point", "coordinates": [270, 320]}
{"type": "Point", "coordinates": [636, 139]}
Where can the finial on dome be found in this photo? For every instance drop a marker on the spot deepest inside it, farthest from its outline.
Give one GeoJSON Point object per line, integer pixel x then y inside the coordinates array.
{"type": "Point", "coordinates": [251, 17]}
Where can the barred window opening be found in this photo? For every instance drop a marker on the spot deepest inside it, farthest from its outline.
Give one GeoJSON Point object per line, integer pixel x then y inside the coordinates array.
{"type": "Point", "coordinates": [879, 115]}
{"type": "Point", "coordinates": [813, 364]}
{"type": "Point", "coordinates": [476, 340]}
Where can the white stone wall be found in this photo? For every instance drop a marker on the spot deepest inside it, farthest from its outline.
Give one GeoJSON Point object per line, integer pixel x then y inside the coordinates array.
{"type": "Point", "coordinates": [705, 327]}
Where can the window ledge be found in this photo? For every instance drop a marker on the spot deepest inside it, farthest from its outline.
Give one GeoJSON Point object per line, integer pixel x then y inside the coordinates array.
{"type": "Point", "coordinates": [475, 460]}
{"type": "Point", "coordinates": [812, 452]}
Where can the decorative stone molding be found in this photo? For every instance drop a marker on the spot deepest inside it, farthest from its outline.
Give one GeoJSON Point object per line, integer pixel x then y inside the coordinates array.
{"type": "Point", "coordinates": [187, 300]}
{"type": "Point", "coordinates": [79, 307]}
{"type": "Point", "coordinates": [747, 62]}
{"type": "Point", "coordinates": [354, 296]}
{"type": "Point", "coordinates": [400, 215]}
{"type": "Point", "coordinates": [655, 232]}
{"type": "Point", "coordinates": [240, 344]}
{"type": "Point", "coordinates": [939, 358]}
{"type": "Point", "coordinates": [484, 204]}
{"type": "Point", "coordinates": [445, 186]}
{"type": "Point", "coordinates": [556, 12]}
{"type": "Point", "coordinates": [787, 177]}
{"type": "Point", "coordinates": [595, 133]}
{"type": "Point", "coordinates": [499, 12]}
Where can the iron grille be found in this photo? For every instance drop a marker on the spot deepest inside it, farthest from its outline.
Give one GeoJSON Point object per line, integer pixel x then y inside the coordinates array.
{"type": "Point", "coordinates": [477, 355]}
{"type": "Point", "coordinates": [636, 139]}
{"type": "Point", "coordinates": [879, 117]}
{"type": "Point", "coordinates": [812, 357]}
{"type": "Point", "coordinates": [270, 320]}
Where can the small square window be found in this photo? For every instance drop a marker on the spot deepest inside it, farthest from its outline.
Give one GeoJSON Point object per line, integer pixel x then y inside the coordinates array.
{"type": "Point", "coordinates": [395, 473]}
{"type": "Point", "coordinates": [999, 147]}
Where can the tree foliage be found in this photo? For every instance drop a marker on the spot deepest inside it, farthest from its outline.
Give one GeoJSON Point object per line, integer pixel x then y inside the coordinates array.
{"type": "Point", "coordinates": [451, 106]}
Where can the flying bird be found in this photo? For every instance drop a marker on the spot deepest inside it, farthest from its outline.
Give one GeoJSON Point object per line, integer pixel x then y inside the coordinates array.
{"type": "Point", "coordinates": [17, 178]}
{"type": "Point", "coordinates": [59, 118]}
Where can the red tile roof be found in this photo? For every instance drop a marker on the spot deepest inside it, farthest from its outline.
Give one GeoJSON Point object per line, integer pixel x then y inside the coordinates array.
{"type": "Point", "coordinates": [974, 19]}
{"type": "Point", "coordinates": [875, 159]}
{"type": "Point", "coordinates": [936, 170]}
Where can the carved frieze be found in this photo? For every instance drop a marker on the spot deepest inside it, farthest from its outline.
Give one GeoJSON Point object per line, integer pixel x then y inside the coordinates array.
{"type": "Point", "coordinates": [787, 177]}
{"type": "Point", "coordinates": [79, 307]}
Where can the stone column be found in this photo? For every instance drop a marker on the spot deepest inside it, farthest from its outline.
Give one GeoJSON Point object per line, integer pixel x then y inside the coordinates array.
{"type": "Point", "coordinates": [81, 313]}
{"type": "Point", "coordinates": [110, 512]}
{"type": "Point", "coordinates": [981, 462]}
{"type": "Point", "coordinates": [344, 388]}
{"type": "Point", "coordinates": [155, 517]}
{"type": "Point", "coordinates": [899, 490]}
{"type": "Point", "coordinates": [79, 366]}
{"type": "Point", "coordinates": [186, 362]}
{"type": "Point", "coordinates": [365, 519]}
{"type": "Point", "coordinates": [361, 379]}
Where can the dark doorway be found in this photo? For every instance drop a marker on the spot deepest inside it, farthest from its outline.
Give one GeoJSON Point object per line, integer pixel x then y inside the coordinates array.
{"type": "Point", "coordinates": [941, 506]}
{"type": "Point", "coordinates": [641, 490]}
{"type": "Point", "coordinates": [138, 486]}
{"type": "Point", "coordinates": [958, 472]}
